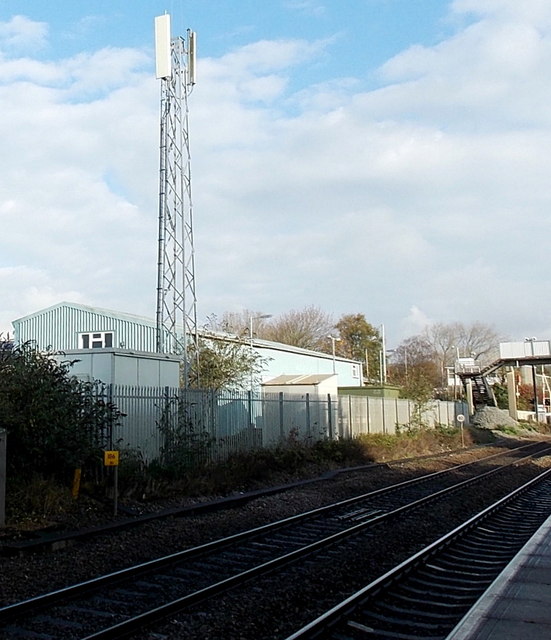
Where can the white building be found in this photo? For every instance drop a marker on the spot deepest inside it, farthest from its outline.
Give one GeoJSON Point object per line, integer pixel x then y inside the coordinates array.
{"type": "Point", "coordinates": [119, 348]}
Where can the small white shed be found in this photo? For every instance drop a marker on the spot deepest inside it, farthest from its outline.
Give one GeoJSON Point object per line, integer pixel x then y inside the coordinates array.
{"type": "Point", "coordinates": [317, 385]}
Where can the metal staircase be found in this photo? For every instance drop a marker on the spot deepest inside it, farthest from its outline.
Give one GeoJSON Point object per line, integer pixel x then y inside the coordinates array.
{"type": "Point", "coordinates": [476, 383]}
{"type": "Point", "coordinates": [483, 395]}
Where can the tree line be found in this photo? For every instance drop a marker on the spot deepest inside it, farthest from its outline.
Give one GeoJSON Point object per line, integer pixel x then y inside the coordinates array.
{"type": "Point", "coordinates": [419, 364]}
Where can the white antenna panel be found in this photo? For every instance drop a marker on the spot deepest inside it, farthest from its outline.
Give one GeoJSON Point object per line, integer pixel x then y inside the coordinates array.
{"type": "Point", "coordinates": [192, 46]}
{"type": "Point", "coordinates": [163, 63]}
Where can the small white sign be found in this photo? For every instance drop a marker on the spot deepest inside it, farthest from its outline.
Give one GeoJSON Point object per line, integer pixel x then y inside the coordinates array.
{"type": "Point", "coordinates": [460, 418]}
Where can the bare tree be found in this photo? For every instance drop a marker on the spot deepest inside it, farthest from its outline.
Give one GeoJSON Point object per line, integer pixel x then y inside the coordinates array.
{"type": "Point", "coordinates": [238, 323]}
{"type": "Point", "coordinates": [415, 367]}
{"type": "Point", "coordinates": [307, 329]}
{"type": "Point", "coordinates": [478, 340]}
{"type": "Point", "coordinates": [481, 341]}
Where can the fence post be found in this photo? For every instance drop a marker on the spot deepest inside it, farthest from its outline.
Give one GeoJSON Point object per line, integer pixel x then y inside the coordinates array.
{"type": "Point", "coordinates": [383, 413]}
{"type": "Point", "coordinates": [109, 394]}
{"type": "Point", "coordinates": [3, 464]}
{"type": "Point", "coordinates": [308, 420]}
{"type": "Point", "coordinates": [281, 429]}
{"type": "Point", "coordinates": [330, 415]}
{"type": "Point", "coordinates": [250, 407]}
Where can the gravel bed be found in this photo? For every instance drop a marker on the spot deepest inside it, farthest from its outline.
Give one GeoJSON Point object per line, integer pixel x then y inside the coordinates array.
{"type": "Point", "coordinates": [274, 608]}
{"type": "Point", "coordinates": [246, 614]}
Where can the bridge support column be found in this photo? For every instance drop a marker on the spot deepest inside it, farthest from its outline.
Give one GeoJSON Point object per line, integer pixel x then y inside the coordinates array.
{"type": "Point", "coordinates": [469, 394]}
{"type": "Point", "coordinates": [512, 395]}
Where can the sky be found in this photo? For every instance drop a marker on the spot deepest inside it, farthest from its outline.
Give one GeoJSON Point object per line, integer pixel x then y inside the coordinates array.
{"type": "Point", "coordinates": [384, 157]}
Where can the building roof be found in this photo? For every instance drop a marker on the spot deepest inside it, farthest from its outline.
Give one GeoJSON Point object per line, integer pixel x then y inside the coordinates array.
{"type": "Point", "coordinates": [84, 307]}
{"type": "Point", "coordinates": [213, 335]}
{"type": "Point", "coordinates": [306, 379]}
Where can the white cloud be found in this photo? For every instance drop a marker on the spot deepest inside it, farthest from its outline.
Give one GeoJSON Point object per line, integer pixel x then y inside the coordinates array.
{"type": "Point", "coordinates": [530, 11]}
{"type": "Point", "coordinates": [415, 322]}
{"type": "Point", "coordinates": [26, 289]}
{"type": "Point", "coordinates": [424, 200]}
{"type": "Point", "coordinates": [309, 7]}
{"type": "Point", "coordinates": [20, 33]}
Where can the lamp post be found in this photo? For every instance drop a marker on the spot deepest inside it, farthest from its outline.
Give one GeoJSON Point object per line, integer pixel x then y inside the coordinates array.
{"type": "Point", "coordinates": [251, 320]}
{"type": "Point", "coordinates": [382, 363]}
{"type": "Point", "coordinates": [333, 340]}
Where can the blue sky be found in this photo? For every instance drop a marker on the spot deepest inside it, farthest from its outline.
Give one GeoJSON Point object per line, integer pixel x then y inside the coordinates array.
{"type": "Point", "coordinates": [367, 32]}
{"type": "Point", "coordinates": [387, 157]}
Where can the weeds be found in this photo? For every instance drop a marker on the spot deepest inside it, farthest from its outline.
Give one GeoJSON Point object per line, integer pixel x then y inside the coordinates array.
{"type": "Point", "coordinates": [243, 471]}
{"type": "Point", "coordinates": [37, 497]}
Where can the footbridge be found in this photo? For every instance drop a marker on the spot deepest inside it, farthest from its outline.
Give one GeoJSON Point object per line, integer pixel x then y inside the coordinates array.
{"type": "Point", "coordinates": [530, 353]}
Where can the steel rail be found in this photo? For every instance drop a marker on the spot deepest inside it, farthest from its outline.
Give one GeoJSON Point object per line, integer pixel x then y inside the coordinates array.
{"type": "Point", "coordinates": [140, 621]}
{"type": "Point", "coordinates": [339, 619]}
{"type": "Point", "coordinates": [156, 613]}
{"type": "Point", "coordinates": [51, 541]}
{"type": "Point", "coordinates": [146, 567]}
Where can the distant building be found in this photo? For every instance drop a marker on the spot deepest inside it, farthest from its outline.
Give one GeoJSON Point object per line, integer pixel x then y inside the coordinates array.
{"type": "Point", "coordinates": [128, 344]}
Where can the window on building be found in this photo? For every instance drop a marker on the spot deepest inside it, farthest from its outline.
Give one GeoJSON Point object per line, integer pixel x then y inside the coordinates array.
{"type": "Point", "coordinates": [97, 340]}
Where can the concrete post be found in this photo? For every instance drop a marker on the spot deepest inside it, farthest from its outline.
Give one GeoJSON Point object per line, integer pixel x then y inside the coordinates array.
{"type": "Point", "coordinates": [469, 394]}
{"type": "Point", "coordinates": [512, 395]}
{"type": "Point", "coordinates": [3, 438]}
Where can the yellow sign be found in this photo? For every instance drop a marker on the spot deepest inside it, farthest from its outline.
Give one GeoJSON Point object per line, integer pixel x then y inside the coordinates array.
{"type": "Point", "coordinates": [111, 458]}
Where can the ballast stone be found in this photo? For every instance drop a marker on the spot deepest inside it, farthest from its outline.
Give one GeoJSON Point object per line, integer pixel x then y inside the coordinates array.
{"type": "Point", "coordinates": [493, 418]}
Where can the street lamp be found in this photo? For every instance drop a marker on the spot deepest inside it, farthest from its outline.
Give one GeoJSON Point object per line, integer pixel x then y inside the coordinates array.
{"type": "Point", "coordinates": [251, 319]}
{"type": "Point", "coordinates": [382, 357]}
{"type": "Point", "coordinates": [333, 340]}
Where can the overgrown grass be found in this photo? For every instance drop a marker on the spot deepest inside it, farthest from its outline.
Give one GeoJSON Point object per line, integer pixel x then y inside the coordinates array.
{"type": "Point", "coordinates": [524, 427]}
{"type": "Point", "coordinates": [294, 460]}
{"type": "Point", "coordinates": [36, 498]}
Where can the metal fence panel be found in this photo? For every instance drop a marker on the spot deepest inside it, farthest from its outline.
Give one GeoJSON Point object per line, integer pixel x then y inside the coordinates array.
{"type": "Point", "coordinates": [213, 425]}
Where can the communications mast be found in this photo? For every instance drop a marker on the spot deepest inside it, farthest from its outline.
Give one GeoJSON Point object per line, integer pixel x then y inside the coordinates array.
{"type": "Point", "coordinates": [176, 316]}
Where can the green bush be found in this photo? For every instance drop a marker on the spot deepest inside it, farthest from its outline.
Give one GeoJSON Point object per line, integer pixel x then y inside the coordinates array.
{"type": "Point", "coordinates": [55, 423]}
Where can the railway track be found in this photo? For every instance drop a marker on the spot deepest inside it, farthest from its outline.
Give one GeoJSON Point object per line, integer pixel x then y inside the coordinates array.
{"type": "Point", "coordinates": [53, 540]}
{"type": "Point", "coordinates": [427, 595]}
{"type": "Point", "coordinates": [117, 604]}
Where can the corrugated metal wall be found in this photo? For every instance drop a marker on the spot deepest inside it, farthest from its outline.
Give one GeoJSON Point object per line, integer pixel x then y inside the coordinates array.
{"type": "Point", "coordinates": [59, 327]}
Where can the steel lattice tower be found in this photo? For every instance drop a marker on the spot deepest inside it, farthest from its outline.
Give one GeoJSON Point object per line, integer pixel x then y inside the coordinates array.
{"type": "Point", "coordinates": [176, 316]}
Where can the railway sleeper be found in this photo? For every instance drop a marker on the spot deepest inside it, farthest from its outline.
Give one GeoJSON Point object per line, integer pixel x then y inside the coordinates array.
{"type": "Point", "coordinates": [461, 570]}
{"type": "Point", "coordinates": [434, 594]}
{"type": "Point", "coordinates": [17, 632]}
{"type": "Point", "coordinates": [433, 602]}
{"type": "Point", "coordinates": [449, 580]}
{"type": "Point", "coordinates": [453, 558]}
{"type": "Point", "coordinates": [132, 595]}
{"type": "Point", "coordinates": [396, 624]}
{"type": "Point", "coordinates": [436, 586]}
{"type": "Point", "coordinates": [411, 613]}
{"type": "Point", "coordinates": [495, 547]}
{"type": "Point", "coordinates": [91, 613]}
{"type": "Point", "coordinates": [109, 602]}
{"type": "Point", "coordinates": [54, 623]}
{"type": "Point", "coordinates": [377, 635]}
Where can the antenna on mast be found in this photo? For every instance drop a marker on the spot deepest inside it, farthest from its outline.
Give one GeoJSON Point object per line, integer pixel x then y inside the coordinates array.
{"type": "Point", "coordinates": [176, 317]}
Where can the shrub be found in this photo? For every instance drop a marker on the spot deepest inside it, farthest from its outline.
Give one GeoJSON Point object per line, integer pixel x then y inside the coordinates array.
{"type": "Point", "coordinates": [55, 423]}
